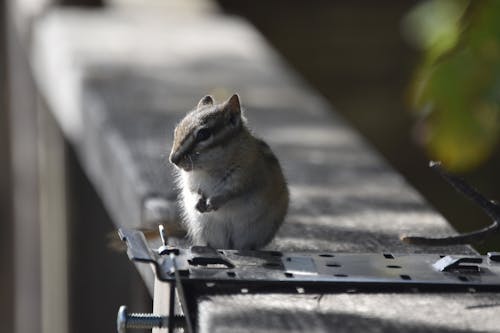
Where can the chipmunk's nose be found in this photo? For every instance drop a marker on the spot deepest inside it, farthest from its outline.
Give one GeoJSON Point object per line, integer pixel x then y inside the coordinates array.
{"type": "Point", "coordinates": [175, 158]}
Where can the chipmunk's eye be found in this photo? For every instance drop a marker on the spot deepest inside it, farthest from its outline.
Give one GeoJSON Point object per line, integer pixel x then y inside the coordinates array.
{"type": "Point", "coordinates": [202, 134]}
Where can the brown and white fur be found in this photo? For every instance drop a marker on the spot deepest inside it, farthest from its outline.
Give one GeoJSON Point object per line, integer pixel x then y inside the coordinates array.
{"type": "Point", "coordinates": [233, 192]}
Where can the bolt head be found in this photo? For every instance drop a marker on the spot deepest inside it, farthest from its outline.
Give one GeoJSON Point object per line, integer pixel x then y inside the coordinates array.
{"type": "Point", "coordinates": [121, 319]}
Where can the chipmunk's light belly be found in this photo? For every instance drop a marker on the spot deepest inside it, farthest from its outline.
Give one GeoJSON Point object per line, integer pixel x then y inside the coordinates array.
{"type": "Point", "coordinates": [244, 222]}
{"type": "Point", "coordinates": [234, 225]}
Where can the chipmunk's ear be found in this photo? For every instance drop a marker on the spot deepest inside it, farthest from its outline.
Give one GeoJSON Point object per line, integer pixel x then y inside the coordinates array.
{"type": "Point", "coordinates": [233, 104]}
{"type": "Point", "coordinates": [205, 101]}
{"type": "Point", "coordinates": [232, 110]}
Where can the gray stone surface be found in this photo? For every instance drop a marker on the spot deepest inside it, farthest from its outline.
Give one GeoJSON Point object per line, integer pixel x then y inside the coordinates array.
{"type": "Point", "coordinates": [119, 81]}
{"type": "Point", "coordinates": [351, 313]}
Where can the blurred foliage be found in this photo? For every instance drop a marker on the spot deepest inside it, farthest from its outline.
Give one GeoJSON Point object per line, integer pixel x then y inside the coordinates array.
{"type": "Point", "coordinates": [456, 88]}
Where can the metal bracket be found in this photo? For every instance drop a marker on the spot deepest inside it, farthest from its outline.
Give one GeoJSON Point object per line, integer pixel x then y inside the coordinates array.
{"type": "Point", "coordinates": [199, 271]}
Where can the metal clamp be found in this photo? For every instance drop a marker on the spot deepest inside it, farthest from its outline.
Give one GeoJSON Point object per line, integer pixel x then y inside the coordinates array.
{"type": "Point", "coordinates": [202, 271]}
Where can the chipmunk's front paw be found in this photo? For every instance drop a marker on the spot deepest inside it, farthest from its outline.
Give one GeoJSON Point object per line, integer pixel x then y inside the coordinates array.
{"type": "Point", "coordinates": [201, 205]}
{"type": "Point", "coordinates": [204, 205]}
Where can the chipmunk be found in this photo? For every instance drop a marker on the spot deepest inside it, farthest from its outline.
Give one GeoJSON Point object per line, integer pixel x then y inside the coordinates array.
{"type": "Point", "coordinates": [233, 192]}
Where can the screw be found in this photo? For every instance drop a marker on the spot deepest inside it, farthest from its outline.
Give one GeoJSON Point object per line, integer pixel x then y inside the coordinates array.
{"type": "Point", "coordinates": [165, 248]}
{"type": "Point", "coordinates": [126, 320]}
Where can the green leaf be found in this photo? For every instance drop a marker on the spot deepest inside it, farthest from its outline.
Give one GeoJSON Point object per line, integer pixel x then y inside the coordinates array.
{"type": "Point", "coordinates": [457, 91]}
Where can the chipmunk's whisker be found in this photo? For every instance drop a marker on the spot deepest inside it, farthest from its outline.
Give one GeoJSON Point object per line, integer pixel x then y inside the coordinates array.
{"type": "Point", "coordinates": [191, 160]}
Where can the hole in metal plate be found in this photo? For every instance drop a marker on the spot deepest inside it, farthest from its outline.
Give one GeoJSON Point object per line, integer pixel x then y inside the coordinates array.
{"type": "Point", "coordinates": [210, 262]}
{"type": "Point", "coordinates": [333, 265]}
{"type": "Point", "coordinates": [271, 265]}
{"type": "Point", "coordinates": [405, 277]}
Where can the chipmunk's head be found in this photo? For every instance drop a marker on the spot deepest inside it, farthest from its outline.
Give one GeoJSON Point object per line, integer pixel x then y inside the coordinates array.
{"type": "Point", "coordinates": [201, 139]}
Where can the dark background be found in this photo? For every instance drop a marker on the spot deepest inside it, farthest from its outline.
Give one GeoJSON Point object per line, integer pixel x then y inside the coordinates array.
{"type": "Point", "coordinates": [6, 272]}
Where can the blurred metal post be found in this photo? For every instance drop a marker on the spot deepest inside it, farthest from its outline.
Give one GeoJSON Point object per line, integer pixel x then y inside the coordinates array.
{"type": "Point", "coordinates": [23, 136]}
{"type": "Point", "coordinates": [53, 223]}
{"type": "Point", "coordinates": [40, 237]}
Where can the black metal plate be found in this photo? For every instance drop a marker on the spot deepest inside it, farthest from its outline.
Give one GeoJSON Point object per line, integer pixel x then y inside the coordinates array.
{"type": "Point", "coordinates": [230, 271]}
